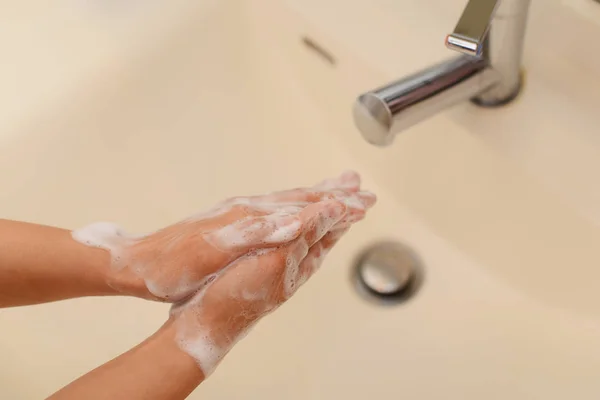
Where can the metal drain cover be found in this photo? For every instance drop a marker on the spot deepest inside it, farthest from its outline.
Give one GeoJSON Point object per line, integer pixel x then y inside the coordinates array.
{"type": "Point", "coordinates": [388, 271]}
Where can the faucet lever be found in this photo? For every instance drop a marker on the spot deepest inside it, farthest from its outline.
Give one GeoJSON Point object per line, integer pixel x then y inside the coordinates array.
{"type": "Point", "coordinates": [472, 27]}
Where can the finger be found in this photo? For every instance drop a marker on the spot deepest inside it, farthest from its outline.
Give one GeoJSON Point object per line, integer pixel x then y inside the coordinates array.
{"type": "Point", "coordinates": [280, 227]}
{"type": "Point", "coordinates": [299, 196]}
{"type": "Point", "coordinates": [319, 218]}
{"type": "Point", "coordinates": [347, 181]}
{"type": "Point", "coordinates": [303, 197]}
{"type": "Point", "coordinates": [368, 199]}
{"type": "Point", "coordinates": [322, 217]}
{"type": "Point", "coordinates": [271, 273]}
{"type": "Point", "coordinates": [358, 204]}
{"type": "Point", "coordinates": [352, 218]}
{"type": "Point", "coordinates": [360, 200]}
{"type": "Point", "coordinates": [316, 255]}
{"type": "Point", "coordinates": [300, 231]}
{"type": "Point", "coordinates": [256, 232]}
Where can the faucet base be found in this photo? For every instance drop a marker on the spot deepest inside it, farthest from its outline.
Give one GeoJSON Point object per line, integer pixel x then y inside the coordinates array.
{"type": "Point", "coordinates": [493, 101]}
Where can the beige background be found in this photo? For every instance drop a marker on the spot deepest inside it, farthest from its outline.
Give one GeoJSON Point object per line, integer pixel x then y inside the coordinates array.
{"type": "Point", "coordinates": [145, 112]}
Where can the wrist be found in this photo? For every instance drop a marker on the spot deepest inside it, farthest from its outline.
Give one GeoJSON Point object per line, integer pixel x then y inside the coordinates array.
{"type": "Point", "coordinates": [166, 339]}
{"type": "Point", "coordinates": [112, 281]}
{"type": "Point", "coordinates": [98, 245]}
{"type": "Point", "coordinates": [125, 282]}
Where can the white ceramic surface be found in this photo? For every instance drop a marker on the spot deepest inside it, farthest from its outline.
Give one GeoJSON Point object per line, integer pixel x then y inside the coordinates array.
{"type": "Point", "coordinates": [189, 103]}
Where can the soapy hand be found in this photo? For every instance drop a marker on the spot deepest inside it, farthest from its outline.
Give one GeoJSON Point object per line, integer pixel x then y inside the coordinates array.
{"type": "Point", "coordinates": [229, 267]}
{"type": "Point", "coordinates": [175, 262]}
{"type": "Point", "coordinates": [210, 323]}
{"type": "Point", "coordinates": [224, 270]}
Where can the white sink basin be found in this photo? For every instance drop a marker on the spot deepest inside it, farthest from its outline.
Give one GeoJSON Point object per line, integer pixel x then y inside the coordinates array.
{"type": "Point", "coordinates": [229, 101]}
{"type": "Point", "coordinates": [514, 188]}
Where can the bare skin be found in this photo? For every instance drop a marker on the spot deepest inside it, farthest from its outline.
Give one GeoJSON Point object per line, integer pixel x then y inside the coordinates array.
{"type": "Point", "coordinates": [156, 369]}
{"type": "Point", "coordinates": [239, 284]}
{"type": "Point", "coordinates": [39, 264]}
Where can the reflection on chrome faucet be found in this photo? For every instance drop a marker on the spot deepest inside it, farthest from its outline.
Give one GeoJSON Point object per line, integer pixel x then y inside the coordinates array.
{"type": "Point", "coordinates": [490, 36]}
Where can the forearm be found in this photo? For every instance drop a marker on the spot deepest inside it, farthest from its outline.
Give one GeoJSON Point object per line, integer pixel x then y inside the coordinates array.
{"type": "Point", "coordinates": [154, 370]}
{"type": "Point", "coordinates": [40, 264]}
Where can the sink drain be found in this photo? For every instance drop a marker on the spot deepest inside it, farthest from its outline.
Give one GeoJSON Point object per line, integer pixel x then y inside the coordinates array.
{"type": "Point", "coordinates": [388, 272]}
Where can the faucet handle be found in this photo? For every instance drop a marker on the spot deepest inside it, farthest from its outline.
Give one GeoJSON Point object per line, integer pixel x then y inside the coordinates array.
{"type": "Point", "coordinates": [472, 28]}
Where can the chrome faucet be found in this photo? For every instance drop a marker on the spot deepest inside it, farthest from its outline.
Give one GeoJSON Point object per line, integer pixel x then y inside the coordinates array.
{"type": "Point", "coordinates": [490, 36]}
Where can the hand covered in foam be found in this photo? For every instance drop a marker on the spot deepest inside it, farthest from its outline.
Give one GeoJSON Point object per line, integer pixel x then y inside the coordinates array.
{"type": "Point", "coordinates": [210, 323]}
{"type": "Point", "coordinates": [175, 262]}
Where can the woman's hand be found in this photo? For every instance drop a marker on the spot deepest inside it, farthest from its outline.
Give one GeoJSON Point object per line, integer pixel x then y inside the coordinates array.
{"type": "Point", "coordinates": [175, 262]}
{"type": "Point", "coordinates": [226, 269]}
{"type": "Point", "coordinates": [211, 322]}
